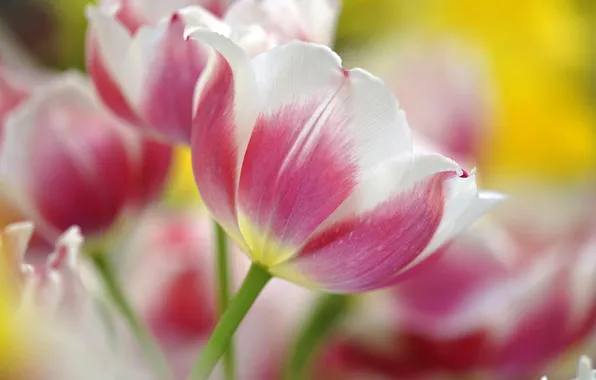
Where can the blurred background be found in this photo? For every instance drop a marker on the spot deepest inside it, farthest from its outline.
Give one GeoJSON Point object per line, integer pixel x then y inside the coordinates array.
{"type": "Point", "coordinates": [506, 87]}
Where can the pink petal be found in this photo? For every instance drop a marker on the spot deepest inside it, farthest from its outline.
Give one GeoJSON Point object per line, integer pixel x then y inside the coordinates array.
{"type": "Point", "coordinates": [381, 228]}
{"type": "Point", "coordinates": [68, 161]}
{"type": "Point", "coordinates": [322, 129]}
{"type": "Point", "coordinates": [225, 110]}
{"type": "Point", "coordinates": [107, 51]}
{"type": "Point", "coordinates": [107, 88]}
{"type": "Point", "coordinates": [173, 73]}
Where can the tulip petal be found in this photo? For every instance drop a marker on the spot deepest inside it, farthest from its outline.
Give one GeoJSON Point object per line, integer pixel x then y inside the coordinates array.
{"type": "Point", "coordinates": [172, 76]}
{"type": "Point", "coordinates": [106, 86]}
{"type": "Point", "coordinates": [321, 130]}
{"type": "Point", "coordinates": [113, 46]}
{"type": "Point", "coordinates": [226, 102]}
{"type": "Point", "coordinates": [382, 227]}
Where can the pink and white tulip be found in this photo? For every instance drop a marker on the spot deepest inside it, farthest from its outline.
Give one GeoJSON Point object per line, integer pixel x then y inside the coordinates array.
{"type": "Point", "coordinates": [482, 307]}
{"type": "Point", "coordinates": [146, 71]}
{"type": "Point", "coordinates": [310, 168]}
{"type": "Point", "coordinates": [64, 160]}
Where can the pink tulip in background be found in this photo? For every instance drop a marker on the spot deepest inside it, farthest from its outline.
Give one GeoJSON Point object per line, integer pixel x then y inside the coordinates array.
{"type": "Point", "coordinates": [64, 160]}
{"type": "Point", "coordinates": [311, 169]}
{"type": "Point", "coordinates": [485, 305]}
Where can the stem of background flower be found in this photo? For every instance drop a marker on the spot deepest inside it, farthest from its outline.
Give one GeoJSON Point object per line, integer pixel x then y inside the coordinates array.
{"type": "Point", "coordinates": [223, 293]}
{"type": "Point", "coordinates": [150, 349]}
{"type": "Point", "coordinates": [253, 284]}
{"type": "Point", "coordinates": [326, 314]}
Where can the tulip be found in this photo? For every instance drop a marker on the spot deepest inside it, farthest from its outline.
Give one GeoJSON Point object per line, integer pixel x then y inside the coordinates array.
{"type": "Point", "coordinates": [65, 160]}
{"type": "Point", "coordinates": [310, 168]}
{"type": "Point", "coordinates": [483, 306]}
{"type": "Point", "coordinates": [146, 72]}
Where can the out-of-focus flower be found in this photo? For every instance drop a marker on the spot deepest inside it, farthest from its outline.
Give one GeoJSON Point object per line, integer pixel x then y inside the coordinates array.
{"type": "Point", "coordinates": [145, 69]}
{"type": "Point", "coordinates": [169, 272]}
{"type": "Point", "coordinates": [483, 307]}
{"type": "Point", "coordinates": [70, 333]}
{"type": "Point", "coordinates": [311, 169]}
{"type": "Point", "coordinates": [305, 20]}
{"type": "Point", "coordinates": [146, 72]}
{"type": "Point", "coordinates": [65, 160]}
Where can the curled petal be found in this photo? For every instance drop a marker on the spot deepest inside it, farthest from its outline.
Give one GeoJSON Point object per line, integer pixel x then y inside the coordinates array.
{"type": "Point", "coordinates": [317, 115]}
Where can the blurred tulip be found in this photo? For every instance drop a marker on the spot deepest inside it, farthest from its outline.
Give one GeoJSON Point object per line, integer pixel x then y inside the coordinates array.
{"type": "Point", "coordinates": [169, 272]}
{"type": "Point", "coordinates": [65, 160]}
{"type": "Point", "coordinates": [146, 72]}
{"type": "Point", "coordinates": [375, 210]}
{"type": "Point", "coordinates": [483, 307]}
{"type": "Point", "coordinates": [71, 333]}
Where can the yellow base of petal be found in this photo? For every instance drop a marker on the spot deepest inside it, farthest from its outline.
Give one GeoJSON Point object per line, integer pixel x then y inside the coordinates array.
{"type": "Point", "coordinates": [263, 248]}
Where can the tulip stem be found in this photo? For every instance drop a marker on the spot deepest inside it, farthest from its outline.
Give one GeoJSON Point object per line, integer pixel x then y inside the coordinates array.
{"type": "Point", "coordinates": [150, 349]}
{"type": "Point", "coordinates": [253, 284]}
{"type": "Point", "coordinates": [326, 314]}
{"type": "Point", "coordinates": [223, 295]}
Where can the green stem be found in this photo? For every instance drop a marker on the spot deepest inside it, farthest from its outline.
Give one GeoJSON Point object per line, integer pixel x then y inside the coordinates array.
{"type": "Point", "coordinates": [223, 295]}
{"type": "Point", "coordinates": [253, 284]}
{"type": "Point", "coordinates": [325, 316]}
{"type": "Point", "coordinates": [150, 349]}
